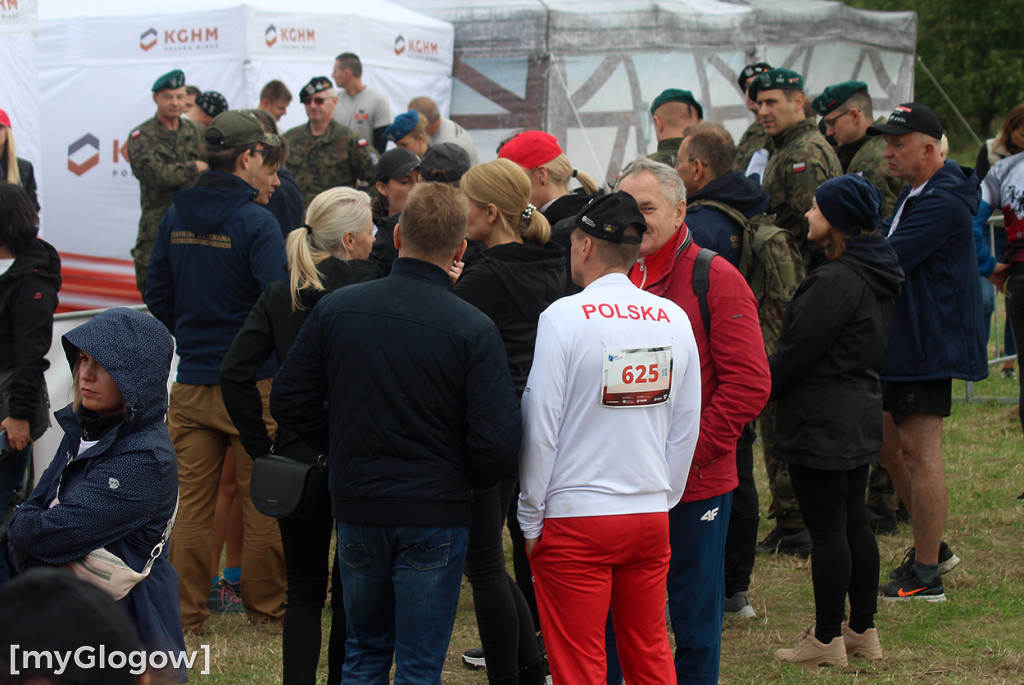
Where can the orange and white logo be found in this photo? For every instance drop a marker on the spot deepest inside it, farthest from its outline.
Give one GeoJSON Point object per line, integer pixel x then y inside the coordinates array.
{"type": "Point", "coordinates": [148, 39]}
{"type": "Point", "coordinates": [290, 37]}
{"type": "Point", "coordinates": [185, 39]}
{"type": "Point", "coordinates": [83, 154]}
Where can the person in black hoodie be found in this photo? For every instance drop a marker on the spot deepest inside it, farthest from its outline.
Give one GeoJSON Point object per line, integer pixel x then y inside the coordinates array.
{"type": "Point", "coordinates": [519, 274]}
{"type": "Point", "coordinates": [330, 251]}
{"type": "Point", "coordinates": [825, 377]}
{"type": "Point", "coordinates": [29, 282]}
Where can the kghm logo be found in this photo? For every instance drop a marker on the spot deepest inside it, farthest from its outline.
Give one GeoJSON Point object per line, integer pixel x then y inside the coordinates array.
{"type": "Point", "coordinates": [417, 49]}
{"type": "Point", "coordinates": [147, 39]}
{"type": "Point", "coordinates": [289, 38]}
{"type": "Point", "coordinates": [180, 40]}
{"type": "Point", "coordinates": [83, 154]}
{"type": "Point", "coordinates": [399, 45]}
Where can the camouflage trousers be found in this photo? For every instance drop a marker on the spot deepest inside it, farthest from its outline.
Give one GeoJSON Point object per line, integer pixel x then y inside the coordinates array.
{"type": "Point", "coordinates": [783, 506]}
{"type": "Point", "coordinates": [149, 226]}
{"type": "Point", "coordinates": [881, 495]}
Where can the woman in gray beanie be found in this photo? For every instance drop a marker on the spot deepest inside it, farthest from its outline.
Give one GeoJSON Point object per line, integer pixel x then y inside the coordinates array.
{"type": "Point", "coordinates": [825, 377]}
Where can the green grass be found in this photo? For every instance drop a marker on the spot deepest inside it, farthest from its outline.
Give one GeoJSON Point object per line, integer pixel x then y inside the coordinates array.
{"type": "Point", "coordinates": [975, 637]}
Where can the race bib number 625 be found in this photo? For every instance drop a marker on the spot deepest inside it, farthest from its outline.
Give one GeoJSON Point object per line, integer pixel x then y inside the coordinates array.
{"type": "Point", "coordinates": [636, 377]}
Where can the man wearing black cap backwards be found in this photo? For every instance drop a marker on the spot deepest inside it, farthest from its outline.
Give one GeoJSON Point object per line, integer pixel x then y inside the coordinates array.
{"type": "Point", "coordinates": [937, 333]}
{"type": "Point", "coordinates": [216, 251]}
{"type": "Point", "coordinates": [610, 418]}
{"type": "Point", "coordinates": [166, 154]}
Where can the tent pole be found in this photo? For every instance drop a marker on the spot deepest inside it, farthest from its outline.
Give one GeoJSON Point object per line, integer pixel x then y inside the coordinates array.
{"type": "Point", "coordinates": [970, 130]}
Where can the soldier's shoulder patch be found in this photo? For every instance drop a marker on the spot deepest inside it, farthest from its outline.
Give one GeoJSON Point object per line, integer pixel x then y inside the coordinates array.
{"type": "Point", "coordinates": [362, 142]}
{"type": "Point", "coordinates": [136, 133]}
{"type": "Point", "coordinates": [799, 166]}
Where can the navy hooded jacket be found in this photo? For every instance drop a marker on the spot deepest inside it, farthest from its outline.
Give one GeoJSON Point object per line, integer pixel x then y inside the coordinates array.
{"type": "Point", "coordinates": [937, 331]}
{"type": "Point", "coordinates": [120, 492]}
{"type": "Point", "coordinates": [712, 228]}
{"type": "Point", "coordinates": [215, 253]}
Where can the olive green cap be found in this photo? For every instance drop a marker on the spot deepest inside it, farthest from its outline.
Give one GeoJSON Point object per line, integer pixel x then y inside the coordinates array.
{"type": "Point", "coordinates": [238, 128]}
{"type": "Point", "coordinates": [172, 79]}
{"type": "Point", "coordinates": [833, 97]}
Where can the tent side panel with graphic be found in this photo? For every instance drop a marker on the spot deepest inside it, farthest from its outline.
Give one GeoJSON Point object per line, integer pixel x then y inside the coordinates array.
{"type": "Point", "coordinates": [19, 92]}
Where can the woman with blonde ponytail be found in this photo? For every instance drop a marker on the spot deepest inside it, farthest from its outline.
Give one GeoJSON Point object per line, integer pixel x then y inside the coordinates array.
{"type": "Point", "coordinates": [13, 168]}
{"type": "Point", "coordinates": [328, 252]}
{"type": "Point", "coordinates": [512, 281]}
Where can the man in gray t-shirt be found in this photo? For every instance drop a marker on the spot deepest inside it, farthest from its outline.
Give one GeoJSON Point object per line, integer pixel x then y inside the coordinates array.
{"type": "Point", "coordinates": [362, 109]}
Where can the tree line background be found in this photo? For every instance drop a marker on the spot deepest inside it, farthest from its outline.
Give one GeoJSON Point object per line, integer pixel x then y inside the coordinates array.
{"type": "Point", "coordinates": [974, 50]}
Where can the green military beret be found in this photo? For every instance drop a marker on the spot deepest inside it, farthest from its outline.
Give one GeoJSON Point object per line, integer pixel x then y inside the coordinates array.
{"type": "Point", "coordinates": [776, 79]}
{"type": "Point", "coordinates": [317, 84]}
{"type": "Point", "coordinates": [238, 128]}
{"type": "Point", "coordinates": [172, 79]}
{"type": "Point", "coordinates": [677, 95]}
{"type": "Point", "coordinates": [834, 96]}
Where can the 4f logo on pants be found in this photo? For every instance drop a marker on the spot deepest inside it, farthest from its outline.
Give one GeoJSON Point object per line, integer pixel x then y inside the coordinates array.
{"type": "Point", "coordinates": [710, 514]}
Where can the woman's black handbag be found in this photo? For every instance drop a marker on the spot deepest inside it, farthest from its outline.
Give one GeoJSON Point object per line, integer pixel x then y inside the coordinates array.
{"type": "Point", "coordinates": [281, 487]}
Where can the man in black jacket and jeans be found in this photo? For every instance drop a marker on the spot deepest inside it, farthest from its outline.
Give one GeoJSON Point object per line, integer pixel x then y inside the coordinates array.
{"type": "Point", "coordinates": [421, 411]}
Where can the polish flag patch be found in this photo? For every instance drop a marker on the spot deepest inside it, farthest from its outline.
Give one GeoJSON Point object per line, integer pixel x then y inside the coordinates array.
{"type": "Point", "coordinates": [799, 166]}
{"type": "Point", "coordinates": [901, 108]}
{"type": "Point", "coordinates": [136, 133]}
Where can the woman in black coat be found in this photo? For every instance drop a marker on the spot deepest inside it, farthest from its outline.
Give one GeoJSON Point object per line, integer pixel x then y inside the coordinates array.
{"type": "Point", "coordinates": [325, 254]}
{"type": "Point", "coordinates": [825, 377]}
{"type": "Point", "coordinates": [13, 168]}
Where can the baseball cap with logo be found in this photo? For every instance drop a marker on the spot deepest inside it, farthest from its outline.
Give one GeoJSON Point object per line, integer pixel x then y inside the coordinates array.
{"type": "Point", "coordinates": [776, 79]}
{"type": "Point", "coordinates": [910, 117]}
{"type": "Point", "coordinates": [238, 128]}
{"type": "Point", "coordinates": [317, 84]}
{"type": "Point", "coordinates": [396, 163]}
{"type": "Point", "coordinates": [608, 216]}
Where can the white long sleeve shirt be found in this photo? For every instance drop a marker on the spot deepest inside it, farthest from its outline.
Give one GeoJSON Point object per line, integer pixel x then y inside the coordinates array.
{"type": "Point", "coordinates": [611, 409]}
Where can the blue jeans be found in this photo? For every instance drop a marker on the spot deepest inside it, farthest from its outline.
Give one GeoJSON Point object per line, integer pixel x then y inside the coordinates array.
{"type": "Point", "coordinates": [401, 588]}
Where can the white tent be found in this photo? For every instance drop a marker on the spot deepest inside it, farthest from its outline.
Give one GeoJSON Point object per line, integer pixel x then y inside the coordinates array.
{"type": "Point", "coordinates": [587, 70]}
{"type": "Point", "coordinates": [19, 93]}
{"type": "Point", "coordinates": [98, 60]}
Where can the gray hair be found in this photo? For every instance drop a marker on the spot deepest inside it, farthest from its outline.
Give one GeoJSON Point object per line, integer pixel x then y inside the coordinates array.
{"type": "Point", "coordinates": [668, 179]}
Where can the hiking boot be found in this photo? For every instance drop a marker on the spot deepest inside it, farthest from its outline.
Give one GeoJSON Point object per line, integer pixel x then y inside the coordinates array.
{"type": "Point", "coordinates": [947, 562]}
{"type": "Point", "coordinates": [225, 598]}
{"type": "Point", "coordinates": [474, 658]}
{"type": "Point", "coordinates": [912, 587]}
{"type": "Point", "coordinates": [739, 606]}
{"type": "Point", "coordinates": [884, 523]}
{"type": "Point", "coordinates": [865, 645]}
{"type": "Point", "coordinates": [795, 541]}
{"type": "Point", "coordinates": [810, 652]}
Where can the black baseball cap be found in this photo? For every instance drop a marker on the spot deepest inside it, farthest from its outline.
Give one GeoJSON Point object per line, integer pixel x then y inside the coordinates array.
{"type": "Point", "coordinates": [396, 163]}
{"type": "Point", "coordinates": [608, 216]}
{"type": "Point", "coordinates": [444, 163]}
{"type": "Point", "coordinates": [910, 117]}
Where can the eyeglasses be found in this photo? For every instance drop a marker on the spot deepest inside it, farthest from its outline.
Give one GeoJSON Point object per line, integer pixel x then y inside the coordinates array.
{"type": "Point", "coordinates": [830, 123]}
{"type": "Point", "coordinates": [262, 151]}
{"type": "Point", "coordinates": [676, 161]}
{"type": "Point", "coordinates": [317, 101]}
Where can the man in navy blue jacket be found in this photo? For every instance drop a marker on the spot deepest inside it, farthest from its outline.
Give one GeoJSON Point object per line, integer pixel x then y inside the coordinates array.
{"type": "Point", "coordinates": [216, 251]}
{"type": "Point", "coordinates": [421, 411]}
{"type": "Point", "coordinates": [937, 333]}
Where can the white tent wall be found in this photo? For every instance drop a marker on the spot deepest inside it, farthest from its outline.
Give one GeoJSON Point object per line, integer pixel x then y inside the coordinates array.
{"type": "Point", "coordinates": [19, 89]}
{"type": "Point", "coordinates": [96, 71]}
{"type": "Point", "coordinates": [587, 71]}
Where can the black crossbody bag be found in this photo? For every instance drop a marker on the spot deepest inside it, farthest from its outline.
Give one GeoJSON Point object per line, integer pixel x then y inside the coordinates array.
{"type": "Point", "coordinates": [282, 487]}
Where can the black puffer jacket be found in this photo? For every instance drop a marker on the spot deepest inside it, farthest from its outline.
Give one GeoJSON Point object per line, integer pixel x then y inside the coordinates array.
{"type": "Point", "coordinates": [825, 371]}
{"type": "Point", "coordinates": [272, 327]}
{"type": "Point", "coordinates": [513, 283]}
{"type": "Point", "coordinates": [28, 298]}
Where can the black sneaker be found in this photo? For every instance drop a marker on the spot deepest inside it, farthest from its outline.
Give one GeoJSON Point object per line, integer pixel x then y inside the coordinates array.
{"type": "Point", "coordinates": [226, 598]}
{"type": "Point", "coordinates": [795, 541]}
{"type": "Point", "coordinates": [474, 658]}
{"type": "Point", "coordinates": [911, 587]}
{"type": "Point", "coordinates": [947, 562]}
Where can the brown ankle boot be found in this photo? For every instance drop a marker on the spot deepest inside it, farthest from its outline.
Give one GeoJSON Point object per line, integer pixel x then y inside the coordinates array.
{"type": "Point", "coordinates": [810, 652]}
{"type": "Point", "coordinates": [864, 645]}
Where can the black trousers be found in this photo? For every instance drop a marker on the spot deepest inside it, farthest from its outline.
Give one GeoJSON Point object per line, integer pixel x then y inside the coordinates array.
{"type": "Point", "coordinates": [844, 557]}
{"type": "Point", "coordinates": [741, 540]}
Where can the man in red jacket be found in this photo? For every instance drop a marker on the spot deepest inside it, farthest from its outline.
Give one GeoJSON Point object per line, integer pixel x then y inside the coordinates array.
{"type": "Point", "coordinates": [735, 384]}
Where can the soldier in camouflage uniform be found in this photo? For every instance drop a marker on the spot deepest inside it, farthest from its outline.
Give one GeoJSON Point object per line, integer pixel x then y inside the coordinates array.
{"type": "Point", "coordinates": [754, 138]}
{"type": "Point", "coordinates": [167, 153]}
{"type": "Point", "coordinates": [673, 111]}
{"type": "Point", "coordinates": [846, 111]}
{"type": "Point", "coordinates": [800, 161]}
{"type": "Point", "coordinates": [323, 153]}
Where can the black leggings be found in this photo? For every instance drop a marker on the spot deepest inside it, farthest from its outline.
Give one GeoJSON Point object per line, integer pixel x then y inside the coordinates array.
{"type": "Point", "coordinates": [308, 566]}
{"type": "Point", "coordinates": [1015, 316]}
{"type": "Point", "coordinates": [844, 558]}
{"type": "Point", "coordinates": [502, 615]}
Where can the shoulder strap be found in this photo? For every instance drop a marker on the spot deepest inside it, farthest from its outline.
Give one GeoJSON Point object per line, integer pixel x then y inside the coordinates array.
{"type": "Point", "coordinates": [159, 547]}
{"type": "Point", "coordinates": [702, 283]}
{"type": "Point", "coordinates": [733, 213]}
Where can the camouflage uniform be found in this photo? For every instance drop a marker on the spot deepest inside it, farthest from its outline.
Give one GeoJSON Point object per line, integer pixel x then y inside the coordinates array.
{"type": "Point", "coordinates": [801, 162]}
{"type": "Point", "coordinates": [666, 151]}
{"type": "Point", "coordinates": [164, 162]}
{"type": "Point", "coordinates": [753, 139]}
{"type": "Point", "coordinates": [864, 157]}
{"type": "Point", "coordinates": [337, 158]}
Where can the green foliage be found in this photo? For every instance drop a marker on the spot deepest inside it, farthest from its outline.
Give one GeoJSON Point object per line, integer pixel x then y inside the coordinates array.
{"type": "Point", "coordinates": [973, 50]}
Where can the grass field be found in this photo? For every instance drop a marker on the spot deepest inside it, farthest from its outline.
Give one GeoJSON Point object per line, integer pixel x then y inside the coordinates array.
{"type": "Point", "coordinates": [975, 637]}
